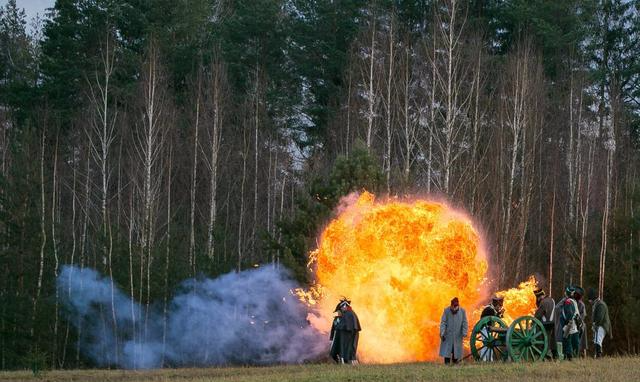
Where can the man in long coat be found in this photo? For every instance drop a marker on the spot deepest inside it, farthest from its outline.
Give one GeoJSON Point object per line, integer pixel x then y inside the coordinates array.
{"type": "Point", "coordinates": [453, 329]}
{"type": "Point", "coordinates": [545, 313]}
{"type": "Point", "coordinates": [601, 323]}
{"type": "Point", "coordinates": [334, 336]}
{"type": "Point", "coordinates": [557, 312]}
{"type": "Point", "coordinates": [345, 334]}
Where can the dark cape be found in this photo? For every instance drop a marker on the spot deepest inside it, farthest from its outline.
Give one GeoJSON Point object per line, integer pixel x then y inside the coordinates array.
{"type": "Point", "coordinates": [334, 337]}
{"type": "Point", "coordinates": [345, 337]}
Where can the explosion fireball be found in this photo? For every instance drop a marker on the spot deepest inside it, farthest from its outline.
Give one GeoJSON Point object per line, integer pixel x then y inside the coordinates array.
{"type": "Point", "coordinates": [401, 262]}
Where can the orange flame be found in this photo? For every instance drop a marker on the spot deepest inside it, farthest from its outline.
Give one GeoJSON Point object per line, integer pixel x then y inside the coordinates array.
{"type": "Point", "coordinates": [400, 263]}
{"type": "Point", "coordinates": [519, 301]}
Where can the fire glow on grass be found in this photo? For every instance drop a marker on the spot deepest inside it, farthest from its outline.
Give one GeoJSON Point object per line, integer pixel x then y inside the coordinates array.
{"type": "Point", "coordinates": [400, 262]}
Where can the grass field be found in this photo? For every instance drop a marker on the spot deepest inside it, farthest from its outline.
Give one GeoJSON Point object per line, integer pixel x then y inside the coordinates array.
{"type": "Point", "coordinates": [605, 370]}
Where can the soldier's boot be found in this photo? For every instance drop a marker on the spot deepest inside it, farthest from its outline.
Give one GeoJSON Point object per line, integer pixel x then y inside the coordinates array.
{"type": "Point", "coordinates": [598, 351]}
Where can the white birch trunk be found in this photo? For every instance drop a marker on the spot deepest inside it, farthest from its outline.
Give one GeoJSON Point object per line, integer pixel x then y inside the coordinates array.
{"type": "Point", "coordinates": [43, 233]}
{"type": "Point", "coordinates": [371, 97]}
{"type": "Point", "coordinates": [389, 106]}
{"type": "Point", "coordinates": [194, 177]}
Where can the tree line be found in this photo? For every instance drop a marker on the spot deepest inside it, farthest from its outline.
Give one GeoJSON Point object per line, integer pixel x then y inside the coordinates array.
{"type": "Point", "coordinates": [158, 141]}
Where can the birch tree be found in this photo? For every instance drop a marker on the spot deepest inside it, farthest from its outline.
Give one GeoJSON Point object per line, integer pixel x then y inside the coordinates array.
{"type": "Point", "coordinates": [215, 92]}
{"type": "Point", "coordinates": [451, 79]}
{"type": "Point", "coordinates": [194, 171]}
{"type": "Point", "coordinates": [101, 136]}
{"type": "Point", "coordinates": [389, 99]}
{"type": "Point", "coordinates": [408, 113]}
{"type": "Point", "coordinates": [150, 139]}
{"type": "Point", "coordinates": [519, 108]}
{"type": "Point", "coordinates": [368, 85]}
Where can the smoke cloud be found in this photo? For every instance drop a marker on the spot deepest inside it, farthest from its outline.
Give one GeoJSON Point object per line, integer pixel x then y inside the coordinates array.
{"type": "Point", "coordinates": [238, 318]}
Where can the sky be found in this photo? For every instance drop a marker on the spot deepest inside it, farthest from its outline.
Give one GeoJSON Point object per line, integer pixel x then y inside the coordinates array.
{"type": "Point", "coordinates": [32, 7]}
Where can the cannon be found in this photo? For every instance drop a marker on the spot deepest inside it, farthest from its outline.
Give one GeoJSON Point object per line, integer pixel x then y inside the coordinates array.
{"type": "Point", "coordinates": [525, 339]}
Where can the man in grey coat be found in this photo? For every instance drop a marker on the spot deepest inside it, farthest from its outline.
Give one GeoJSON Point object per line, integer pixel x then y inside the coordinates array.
{"type": "Point", "coordinates": [545, 312]}
{"type": "Point", "coordinates": [453, 329]}
{"type": "Point", "coordinates": [559, 335]}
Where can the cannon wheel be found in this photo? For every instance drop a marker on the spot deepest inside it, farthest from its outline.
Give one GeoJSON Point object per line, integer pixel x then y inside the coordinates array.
{"type": "Point", "coordinates": [527, 340]}
{"type": "Point", "coordinates": [487, 343]}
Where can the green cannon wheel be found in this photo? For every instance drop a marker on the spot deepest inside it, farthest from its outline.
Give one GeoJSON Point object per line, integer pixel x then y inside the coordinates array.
{"type": "Point", "coordinates": [487, 340]}
{"type": "Point", "coordinates": [527, 340]}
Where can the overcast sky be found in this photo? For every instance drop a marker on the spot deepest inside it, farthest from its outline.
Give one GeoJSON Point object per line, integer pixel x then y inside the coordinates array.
{"type": "Point", "coordinates": [32, 6]}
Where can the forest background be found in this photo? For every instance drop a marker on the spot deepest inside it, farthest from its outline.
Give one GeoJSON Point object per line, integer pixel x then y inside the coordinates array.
{"type": "Point", "coordinates": [161, 140]}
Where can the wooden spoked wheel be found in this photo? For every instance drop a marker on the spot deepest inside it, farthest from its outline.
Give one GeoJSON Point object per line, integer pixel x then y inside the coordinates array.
{"type": "Point", "coordinates": [487, 340]}
{"type": "Point", "coordinates": [527, 340]}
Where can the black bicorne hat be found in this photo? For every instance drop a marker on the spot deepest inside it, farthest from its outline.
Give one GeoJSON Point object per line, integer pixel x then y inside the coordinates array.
{"type": "Point", "coordinates": [343, 302]}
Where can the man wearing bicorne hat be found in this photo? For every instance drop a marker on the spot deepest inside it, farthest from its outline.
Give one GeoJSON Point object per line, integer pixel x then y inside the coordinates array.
{"type": "Point", "coordinates": [345, 334]}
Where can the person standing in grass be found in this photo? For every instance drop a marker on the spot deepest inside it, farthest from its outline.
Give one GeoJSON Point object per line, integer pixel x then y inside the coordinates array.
{"type": "Point", "coordinates": [335, 336]}
{"type": "Point", "coordinates": [569, 318]}
{"type": "Point", "coordinates": [582, 313]}
{"type": "Point", "coordinates": [601, 324]}
{"type": "Point", "coordinates": [558, 334]}
{"type": "Point", "coordinates": [347, 332]}
{"type": "Point", "coordinates": [544, 313]}
{"type": "Point", "coordinates": [453, 329]}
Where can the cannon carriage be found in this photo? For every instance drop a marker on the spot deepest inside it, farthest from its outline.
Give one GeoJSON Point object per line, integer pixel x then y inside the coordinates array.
{"type": "Point", "coordinates": [524, 340]}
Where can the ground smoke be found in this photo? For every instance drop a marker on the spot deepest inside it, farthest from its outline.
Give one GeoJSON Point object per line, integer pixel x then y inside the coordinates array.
{"type": "Point", "coordinates": [238, 318]}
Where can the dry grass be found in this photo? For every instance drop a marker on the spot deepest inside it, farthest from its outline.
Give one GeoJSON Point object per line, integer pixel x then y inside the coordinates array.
{"type": "Point", "coordinates": [606, 370]}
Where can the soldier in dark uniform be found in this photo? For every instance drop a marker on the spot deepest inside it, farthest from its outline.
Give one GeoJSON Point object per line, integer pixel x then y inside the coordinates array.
{"type": "Point", "coordinates": [582, 313]}
{"type": "Point", "coordinates": [558, 334]}
{"type": "Point", "coordinates": [601, 323]}
{"type": "Point", "coordinates": [347, 333]}
{"type": "Point", "coordinates": [545, 313]}
{"type": "Point", "coordinates": [334, 336]}
{"type": "Point", "coordinates": [569, 320]}
{"type": "Point", "coordinates": [495, 308]}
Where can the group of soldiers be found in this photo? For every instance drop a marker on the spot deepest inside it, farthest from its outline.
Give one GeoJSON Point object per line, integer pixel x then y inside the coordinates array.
{"type": "Point", "coordinates": [564, 322]}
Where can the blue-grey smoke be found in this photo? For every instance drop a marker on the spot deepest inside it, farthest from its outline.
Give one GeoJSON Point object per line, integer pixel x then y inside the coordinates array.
{"type": "Point", "coordinates": [238, 318]}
